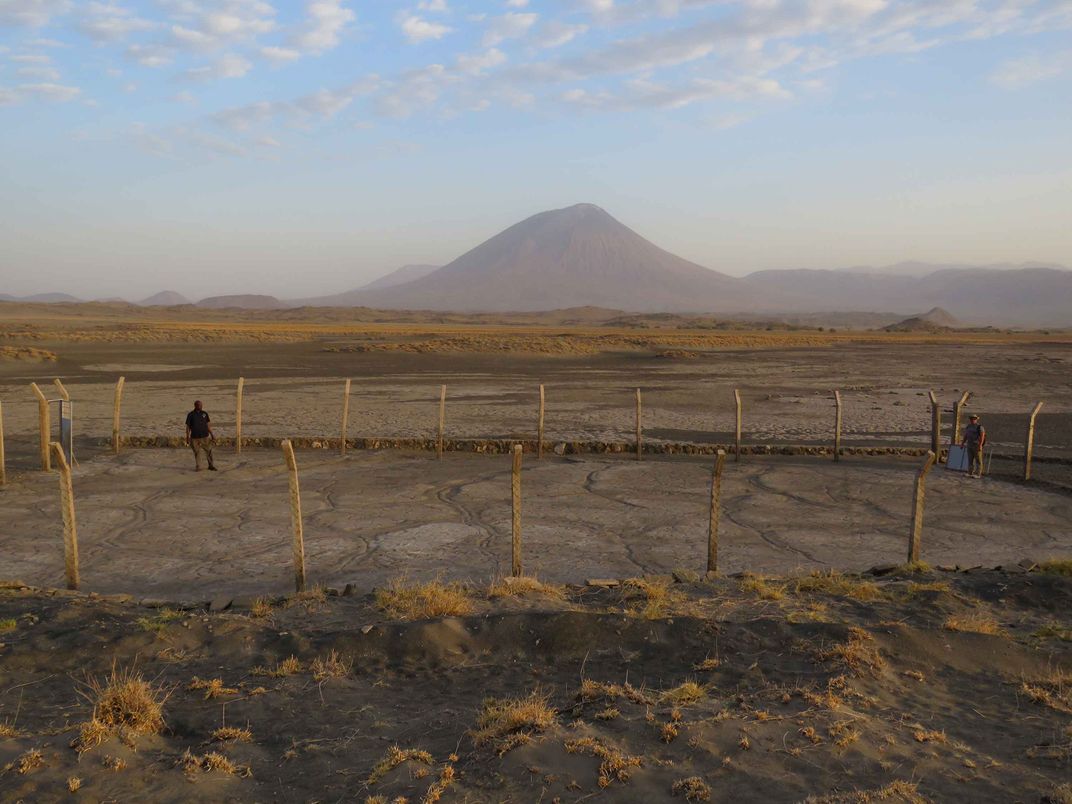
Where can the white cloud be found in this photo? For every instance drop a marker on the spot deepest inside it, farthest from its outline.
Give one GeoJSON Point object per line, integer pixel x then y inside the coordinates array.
{"type": "Point", "coordinates": [31, 13]}
{"type": "Point", "coordinates": [418, 30]}
{"type": "Point", "coordinates": [229, 65]}
{"type": "Point", "coordinates": [434, 6]}
{"type": "Point", "coordinates": [108, 22]}
{"type": "Point", "coordinates": [508, 26]}
{"type": "Point", "coordinates": [556, 34]}
{"type": "Point", "coordinates": [49, 91]}
{"type": "Point", "coordinates": [151, 55]}
{"type": "Point", "coordinates": [1031, 69]}
{"type": "Point", "coordinates": [280, 55]}
{"type": "Point", "coordinates": [325, 23]}
{"type": "Point", "coordinates": [478, 63]}
{"type": "Point", "coordinates": [39, 73]}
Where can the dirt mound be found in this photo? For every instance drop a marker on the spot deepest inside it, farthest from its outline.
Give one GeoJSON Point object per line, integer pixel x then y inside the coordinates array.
{"type": "Point", "coordinates": [934, 320]}
{"type": "Point", "coordinates": [771, 689]}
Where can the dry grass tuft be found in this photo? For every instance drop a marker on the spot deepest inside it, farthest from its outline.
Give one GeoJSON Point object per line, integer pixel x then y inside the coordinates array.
{"type": "Point", "coordinates": [331, 666]}
{"type": "Point", "coordinates": [610, 713]}
{"type": "Point", "coordinates": [159, 621]}
{"type": "Point", "coordinates": [684, 694]}
{"type": "Point", "coordinates": [708, 664]}
{"type": "Point", "coordinates": [439, 786]}
{"type": "Point", "coordinates": [651, 599]}
{"type": "Point", "coordinates": [226, 734]}
{"type": "Point", "coordinates": [913, 568]}
{"type": "Point", "coordinates": [1062, 794]}
{"type": "Point", "coordinates": [925, 736]}
{"type": "Point", "coordinates": [835, 584]}
{"type": "Point", "coordinates": [914, 589]}
{"type": "Point", "coordinates": [312, 599]}
{"type": "Point", "coordinates": [262, 607]}
{"type": "Point", "coordinates": [761, 587]}
{"type": "Point", "coordinates": [899, 791]}
{"type": "Point", "coordinates": [1054, 691]}
{"type": "Point", "coordinates": [213, 687]}
{"type": "Point", "coordinates": [423, 601]}
{"type": "Point", "coordinates": [396, 756]}
{"type": "Point", "coordinates": [1057, 566]}
{"type": "Point", "coordinates": [693, 789]}
{"type": "Point", "coordinates": [975, 623]}
{"type": "Point", "coordinates": [74, 784]}
{"type": "Point", "coordinates": [29, 761]}
{"type": "Point", "coordinates": [597, 690]}
{"type": "Point", "coordinates": [124, 704]}
{"type": "Point", "coordinates": [212, 761]}
{"type": "Point", "coordinates": [509, 722]}
{"type": "Point", "coordinates": [844, 733]}
{"type": "Point", "coordinates": [613, 766]}
{"type": "Point", "coordinates": [8, 625]}
{"type": "Point", "coordinates": [288, 667]}
{"type": "Point", "coordinates": [8, 730]}
{"type": "Point", "coordinates": [525, 586]}
{"type": "Point", "coordinates": [1053, 631]}
{"type": "Point", "coordinates": [858, 654]}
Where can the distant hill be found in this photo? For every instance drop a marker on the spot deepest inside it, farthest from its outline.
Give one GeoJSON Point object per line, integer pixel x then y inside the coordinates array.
{"type": "Point", "coordinates": [573, 257]}
{"type": "Point", "coordinates": [407, 273]}
{"type": "Point", "coordinates": [165, 298]}
{"type": "Point", "coordinates": [242, 302]}
{"type": "Point", "coordinates": [934, 320]}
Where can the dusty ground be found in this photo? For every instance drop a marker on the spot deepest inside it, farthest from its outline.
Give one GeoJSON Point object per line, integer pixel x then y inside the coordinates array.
{"type": "Point", "coordinates": [912, 688]}
{"type": "Point", "coordinates": [150, 525]}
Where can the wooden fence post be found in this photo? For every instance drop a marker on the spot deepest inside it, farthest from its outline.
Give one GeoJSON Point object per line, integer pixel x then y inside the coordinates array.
{"type": "Point", "coordinates": [515, 494]}
{"type": "Point", "coordinates": [737, 441]}
{"type": "Point", "coordinates": [63, 391]}
{"type": "Point", "coordinates": [539, 427]}
{"type": "Point", "coordinates": [238, 416]}
{"type": "Point", "coordinates": [115, 413]}
{"type": "Point", "coordinates": [917, 508]}
{"type": "Point", "coordinates": [936, 425]}
{"type": "Point", "coordinates": [345, 416]}
{"type": "Point", "coordinates": [44, 427]}
{"type": "Point", "coordinates": [1029, 446]}
{"type": "Point", "coordinates": [295, 516]}
{"type": "Point", "coordinates": [3, 465]}
{"type": "Point", "coordinates": [70, 531]}
{"type": "Point", "coordinates": [639, 428]}
{"type": "Point", "coordinates": [837, 427]}
{"type": "Point", "coordinates": [958, 408]}
{"type": "Point", "coordinates": [716, 497]}
{"type": "Point", "coordinates": [442, 420]}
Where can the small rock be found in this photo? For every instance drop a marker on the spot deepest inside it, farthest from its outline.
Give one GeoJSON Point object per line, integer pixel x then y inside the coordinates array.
{"type": "Point", "coordinates": [220, 603]}
{"type": "Point", "coordinates": [881, 569]}
{"type": "Point", "coordinates": [560, 449]}
{"type": "Point", "coordinates": [349, 590]}
{"type": "Point", "coordinates": [152, 603]}
{"type": "Point", "coordinates": [686, 576]}
{"type": "Point", "coordinates": [603, 583]}
{"type": "Point", "coordinates": [366, 628]}
{"type": "Point", "coordinates": [244, 603]}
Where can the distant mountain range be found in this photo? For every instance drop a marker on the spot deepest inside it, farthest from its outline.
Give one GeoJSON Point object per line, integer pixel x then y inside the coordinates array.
{"type": "Point", "coordinates": [580, 256]}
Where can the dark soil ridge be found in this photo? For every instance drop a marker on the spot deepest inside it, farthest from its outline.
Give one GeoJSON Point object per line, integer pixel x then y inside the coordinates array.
{"type": "Point", "coordinates": [807, 694]}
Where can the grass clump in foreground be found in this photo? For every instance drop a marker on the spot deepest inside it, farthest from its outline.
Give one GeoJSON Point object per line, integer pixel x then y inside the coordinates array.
{"type": "Point", "coordinates": [613, 766]}
{"type": "Point", "coordinates": [212, 761]}
{"type": "Point", "coordinates": [899, 791]}
{"type": "Point", "coordinates": [510, 722]}
{"type": "Point", "coordinates": [835, 584]}
{"type": "Point", "coordinates": [650, 598]}
{"type": "Point", "coordinates": [975, 623]}
{"type": "Point", "coordinates": [423, 601]}
{"type": "Point", "coordinates": [597, 690]}
{"type": "Point", "coordinates": [287, 667]}
{"type": "Point", "coordinates": [8, 625]}
{"type": "Point", "coordinates": [857, 654]}
{"type": "Point", "coordinates": [525, 586]}
{"type": "Point", "coordinates": [124, 704]}
{"type": "Point", "coordinates": [762, 587]}
{"type": "Point", "coordinates": [684, 694]}
{"type": "Point", "coordinates": [395, 757]}
{"type": "Point", "coordinates": [1057, 566]}
{"type": "Point", "coordinates": [330, 666]}
{"type": "Point", "coordinates": [159, 621]}
{"type": "Point", "coordinates": [693, 789]}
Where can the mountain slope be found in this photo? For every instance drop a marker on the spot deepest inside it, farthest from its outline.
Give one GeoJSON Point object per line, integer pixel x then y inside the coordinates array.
{"type": "Point", "coordinates": [578, 256]}
{"type": "Point", "coordinates": [246, 301]}
{"type": "Point", "coordinates": [165, 298]}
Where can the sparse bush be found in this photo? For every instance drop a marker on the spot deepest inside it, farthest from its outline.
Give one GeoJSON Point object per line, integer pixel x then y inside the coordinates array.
{"type": "Point", "coordinates": [124, 703]}
{"type": "Point", "coordinates": [614, 765]}
{"type": "Point", "coordinates": [762, 587]}
{"type": "Point", "coordinates": [838, 585]}
{"type": "Point", "coordinates": [395, 757]}
{"type": "Point", "coordinates": [423, 601]}
{"type": "Point", "coordinates": [524, 586]}
{"type": "Point", "coordinates": [502, 720]}
{"type": "Point", "coordinates": [974, 623]}
{"type": "Point", "coordinates": [693, 789]}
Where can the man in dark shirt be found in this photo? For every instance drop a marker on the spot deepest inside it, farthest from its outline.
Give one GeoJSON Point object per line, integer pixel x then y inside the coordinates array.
{"type": "Point", "coordinates": [199, 436]}
{"type": "Point", "coordinates": [975, 440]}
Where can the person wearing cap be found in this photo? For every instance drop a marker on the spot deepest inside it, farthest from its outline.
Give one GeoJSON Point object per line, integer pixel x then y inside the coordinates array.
{"type": "Point", "coordinates": [199, 436]}
{"type": "Point", "coordinates": [974, 441]}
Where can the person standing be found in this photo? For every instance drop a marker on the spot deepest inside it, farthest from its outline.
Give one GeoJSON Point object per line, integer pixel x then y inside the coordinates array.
{"type": "Point", "coordinates": [974, 441]}
{"type": "Point", "coordinates": [199, 436]}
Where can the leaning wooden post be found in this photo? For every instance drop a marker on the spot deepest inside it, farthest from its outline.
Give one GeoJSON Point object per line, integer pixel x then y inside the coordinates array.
{"type": "Point", "coordinates": [837, 427]}
{"type": "Point", "coordinates": [936, 425]}
{"type": "Point", "coordinates": [716, 497]}
{"type": "Point", "coordinates": [3, 465]}
{"type": "Point", "coordinates": [70, 531]}
{"type": "Point", "coordinates": [63, 391]}
{"type": "Point", "coordinates": [539, 427]}
{"type": "Point", "coordinates": [515, 494]}
{"type": "Point", "coordinates": [44, 427]}
{"type": "Point", "coordinates": [737, 441]}
{"type": "Point", "coordinates": [1029, 446]}
{"type": "Point", "coordinates": [639, 427]}
{"type": "Point", "coordinates": [115, 413]}
{"type": "Point", "coordinates": [958, 408]}
{"type": "Point", "coordinates": [238, 416]}
{"type": "Point", "coordinates": [917, 508]}
{"type": "Point", "coordinates": [295, 516]}
{"type": "Point", "coordinates": [345, 416]}
{"type": "Point", "coordinates": [442, 420]}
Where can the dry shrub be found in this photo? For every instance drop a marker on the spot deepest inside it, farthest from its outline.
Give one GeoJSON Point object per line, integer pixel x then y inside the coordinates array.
{"type": "Point", "coordinates": [1054, 631]}
{"type": "Point", "coordinates": [396, 756]}
{"type": "Point", "coordinates": [1054, 691]}
{"type": "Point", "coordinates": [610, 713]}
{"type": "Point", "coordinates": [124, 704]}
{"type": "Point", "coordinates": [762, 587]}
{"type": "Point", "coordinates": [613, 766]}
{"type": "Point", "coordinates": [899, 791]}
{"type": "Point", "coordinates": [1062, 794]}
{"type": "Point", "coordinates": [913, 589]}
{"type": "Point", "coordinates": [525, 586]}
{"type": "Point", "coordinates": [597, 690]}
{"type": "Point", "coordinates": [212, 761]}
{"type": "Point", "coordinates": [213, 687]}
{"type": "Point", "coordinates": [232, 734]}
{"type": "Point", "coordinates": [29, 761]}
{"type": "Point", "coordinates": [159, 621]}
{"type": "Point", "coordinates": [693, 789]}
{"type": "Point", "coordinates": [932, 736]}
{"type": "Point", "coordinates": [114, 763]}
{"type": "Point", "coordinates": [423, 601]}
{"type": "Point", "coordinates": [708, 664]}
{"type": "Point", "coordinates": [857, 654]}
{"type": "Point", "coordinates": [913, 568]}
{"type": "Point", "coordinates": [835, 584]}
{"type": "Point", "coordinates": [669, 732]}
{"type": "Point", "coordinates": [312, 599]}
{"type": "Point", "coordinates": [650, 598]}
{"type": "Point", "coordinates": [331, 666]}
{"type": "Point", "coordinates": [1057, 566]}
{"type": "Point", "coordinates": [262, 607]}
{"type": "Point", "coordinates": [813, 736]}
{"type": "Point", "coordinates": [974, 623]}
{"type": "Point", "coordinates": [502, 720]}
{"type": "Point", "coordinates": [288, 667]}
{"type": "Point", "coordinates": [844, 733]}
{"type": "Point", "coordinates": [684, 694]}
{"type": "Point", "coordinates": [8, 625]}
{"type": "Point", "coordinates": [8, 730]}
{"type": "Point", "coordinates": [74, 784]}
{"type": "Point", "coordinates": [439, 786]}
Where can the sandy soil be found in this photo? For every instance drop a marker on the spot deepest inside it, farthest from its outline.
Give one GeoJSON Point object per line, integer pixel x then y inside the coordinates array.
{"type": "Point", "coordinates": [874, 692]}
{"type": "Point", "coordinates": [150, 525]}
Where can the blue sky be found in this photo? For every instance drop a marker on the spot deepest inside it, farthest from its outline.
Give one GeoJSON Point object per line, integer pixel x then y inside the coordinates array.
{"type": "Point", "coordinates": [305, 147]}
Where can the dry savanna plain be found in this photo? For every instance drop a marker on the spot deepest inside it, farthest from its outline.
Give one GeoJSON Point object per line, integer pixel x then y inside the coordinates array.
{"type": "Point", "coordinates": [817, 665]}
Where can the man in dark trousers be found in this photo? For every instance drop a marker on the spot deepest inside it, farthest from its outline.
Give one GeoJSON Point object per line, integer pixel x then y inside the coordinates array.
{"type": "Point", "coordinates": [199, 436]}
{"type": "Point", "coordinates": [974, 441]}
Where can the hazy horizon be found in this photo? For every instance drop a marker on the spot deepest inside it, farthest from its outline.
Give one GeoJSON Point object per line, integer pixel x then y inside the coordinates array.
{"type": "Point", "coordinates": [243, 146]}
